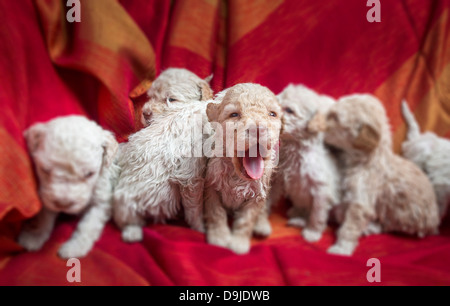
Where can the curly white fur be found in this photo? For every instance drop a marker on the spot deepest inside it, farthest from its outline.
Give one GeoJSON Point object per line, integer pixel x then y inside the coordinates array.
{"type": "Point", "coordinates": [161, 165]}
{"type": "Point", "coordinates": [307, 174]}
{"type": "Point", "coordinates": [432, 154]}
{"type": "Point", "coordinates": [73, 157]}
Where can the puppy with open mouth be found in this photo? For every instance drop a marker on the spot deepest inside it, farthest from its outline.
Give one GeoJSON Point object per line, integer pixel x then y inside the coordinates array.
{"type": "Point", "coordinates": [247, 119]}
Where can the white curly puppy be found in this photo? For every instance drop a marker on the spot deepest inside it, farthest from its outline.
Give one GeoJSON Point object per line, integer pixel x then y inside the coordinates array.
{"type": "Point", "coordinates": [174, 85]}
{"type": "Point", "coordinates": [432, 154]}
{"type": "Point", "coordinates": [73, 157]}
{"type": "Point", "coordinates": [161, 166]}
{"type": "Point", "coordinates": [307, 174]}
{"type": "Point", "coordinates": [378, 185]}
{"type": "Point", "coordinates": [247, 120]}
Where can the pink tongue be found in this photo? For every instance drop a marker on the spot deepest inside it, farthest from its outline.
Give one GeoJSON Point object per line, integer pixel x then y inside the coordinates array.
{"type": "Point", "coordinates": [254, 166]}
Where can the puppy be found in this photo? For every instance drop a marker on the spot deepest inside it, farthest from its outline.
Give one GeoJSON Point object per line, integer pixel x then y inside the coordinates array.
{"type": "Point", "coordinates": [378, 185]}
{"type": "Point", "coordinates": [307, 174]}
{"type": "Point", "coordinates": [73, 157]}
{"type": "Point", "coordinates": [247, 119]}
{"type": "Point", "coordinates": [431, 154]}
{"type": "Point", "coordinates": [161, 166]}
{"type": "Point", "coordinates": [174, 85]}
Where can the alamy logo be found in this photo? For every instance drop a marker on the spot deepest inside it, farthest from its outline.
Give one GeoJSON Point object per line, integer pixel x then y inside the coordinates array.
{"type": "Point", "coordinates": [242, 140]}
{"type": "Point", "coordinates": [374, 14]}
{"type": "Point", "coordinates": [74, 13]}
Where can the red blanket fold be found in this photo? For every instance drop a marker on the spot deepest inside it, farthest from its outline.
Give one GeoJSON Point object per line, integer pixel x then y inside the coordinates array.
{"type": "Point", "coordinates": [52, 68]}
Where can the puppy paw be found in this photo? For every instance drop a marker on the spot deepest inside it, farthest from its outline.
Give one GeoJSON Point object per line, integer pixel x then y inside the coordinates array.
{"type": "Point", "coordinates": [372, 229]}
{"type": "Point", "coordinates": [240, 245]}
{"type": "Point", "coordinates": [221, 240]}
{"type": "Point", "coordinates": [297, 222]}
{"type": "Point", "coordinates": [311, 235]}
{"type": "Point", "coordinates": [132, 233]}
{"type": "Point", "coordinates": [199, 227]}
{"type": "Point", "coordinates": [73, 249]}
{"type": "Point", "coordinates": [32, 240]}
{"type": "Point", "coordinates": [342, 248]}
{"type": "Point", "coordinates": [262, 228]}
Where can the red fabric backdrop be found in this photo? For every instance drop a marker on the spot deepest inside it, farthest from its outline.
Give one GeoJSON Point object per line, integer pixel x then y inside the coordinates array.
{"type": "Point", "coordinates": [51, 68]}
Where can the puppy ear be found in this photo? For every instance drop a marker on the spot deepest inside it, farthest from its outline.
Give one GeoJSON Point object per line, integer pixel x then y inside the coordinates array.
{"type": "Point", "coordinates": [209, 78]}
{"type": "Point", "coordinates": [206, 92]}
{"type": "Point", "coordinates": [368, 138]}
{"type": "Point", "coordinates": [213, 108]}
{"type": "Point", "coordinates": [110, 146]}
{"type": "Point", "coordinates": [34, 136]}
{"type": "Point", "coordinates": [317, 123]}
{"type": "Point", "coordinates": [212, 111]}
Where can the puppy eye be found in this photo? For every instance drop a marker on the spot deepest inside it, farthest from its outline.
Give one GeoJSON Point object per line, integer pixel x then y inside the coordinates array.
{"type": "Point", "coordinates": [272, 114]}
{"type": "Point", "coordinates": [288, 110]}
{"type": "Point", "coordinates": [89, 174]}
{"type": "Point", "coordinates": [171, 100]}
{"type": "Point", "coordinates": [234, 115]}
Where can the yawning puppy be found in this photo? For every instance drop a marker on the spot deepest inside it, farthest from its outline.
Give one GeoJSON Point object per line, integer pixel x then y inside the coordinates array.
{"type": "Point", "coordinates": [74, 158]}
{"type": "Point", "coordinates": [432, 154]}
{"type": "Point", "coordinates": [379, 186]}
{"type": "Point", "coordinates": [308, 174]}
{"type": "Point", "coordinates": [174, 85]}
{"type": "Point", "coordinates": [247, 121]}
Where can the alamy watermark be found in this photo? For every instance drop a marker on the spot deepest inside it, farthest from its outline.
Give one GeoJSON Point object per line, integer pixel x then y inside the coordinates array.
{"type": "Point", "coordinates": [73, 275]}
{"type": "Point", "coordinates": [194, 138]}
{"type": "Point", "coordinates": [374, 14]}
{"type": "Point", "coordinates": [374, 273]}
{"type": "Point", "coordinates": [74, 13]}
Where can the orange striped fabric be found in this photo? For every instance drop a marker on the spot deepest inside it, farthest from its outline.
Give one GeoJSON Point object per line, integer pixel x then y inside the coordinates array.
{"type": "Point", "coordinates": [101, 66]}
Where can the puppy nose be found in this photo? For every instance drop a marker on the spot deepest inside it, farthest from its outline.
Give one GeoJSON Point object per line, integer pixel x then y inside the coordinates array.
{"type": "Point", "coordinates": [147, 114]}
{"type": "Point", "coordinates": [63, 204]}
